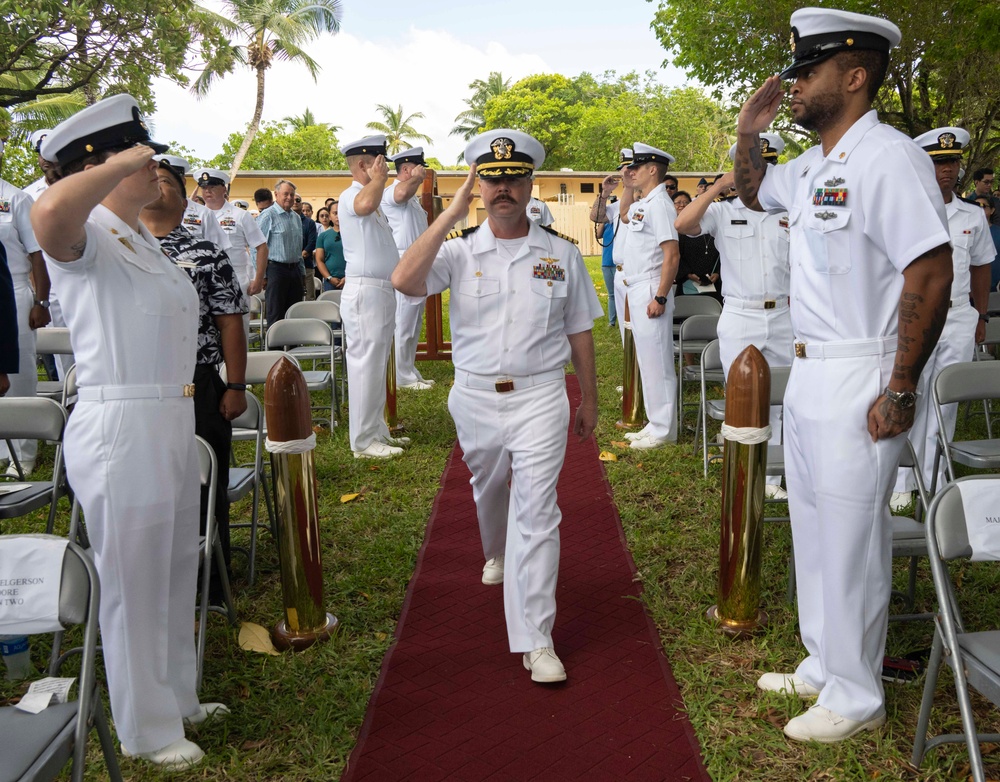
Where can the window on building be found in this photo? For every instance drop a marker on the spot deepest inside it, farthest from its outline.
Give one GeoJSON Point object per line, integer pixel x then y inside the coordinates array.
{"type": "Point", "coordinates": [586, 187]}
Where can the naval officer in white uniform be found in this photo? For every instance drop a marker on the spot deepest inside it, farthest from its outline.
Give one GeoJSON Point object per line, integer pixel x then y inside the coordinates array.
{"type": "Point", "coordinates": [972, 252]}
{"type": "Point", "coordinates": [870, 280]}
{"type": "Point", "coordinates": [522, 305]}
{"type": "Point", "coordinates": [648, 272]}
{"type": "Point", "coordinates": [604, 211]}
{"type": "Point", "coordinates": [753, 250]}
{"type": "Point", "coordinates": [408, 220]}
{"type": "Point", "coordinates": [130, 449]}
{"type": "Point", "coordinates": [368, 304]}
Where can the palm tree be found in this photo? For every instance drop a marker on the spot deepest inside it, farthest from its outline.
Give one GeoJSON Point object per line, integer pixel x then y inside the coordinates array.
{"type": "Point", "coordinates": [397, 128]}
{"type": "Point", "coordinates": [267, 30]}
{"type": "Point", "coordinates": [471, 122]}
{"type": "Point", "coordinates": [308, 120]}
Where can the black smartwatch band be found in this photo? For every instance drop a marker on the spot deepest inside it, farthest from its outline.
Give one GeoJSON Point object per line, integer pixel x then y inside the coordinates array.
{"type": "Point", "coordinates": [661, 300]}
{"type": "Point", "coordinates": [236, 386]}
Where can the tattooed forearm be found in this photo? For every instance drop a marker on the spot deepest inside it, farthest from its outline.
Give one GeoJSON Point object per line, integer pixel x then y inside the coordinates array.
{"type": "Point", "coordinates": [76, 250]}
{"type": "Point", "coordinates": [923, 309]}
{"type": "Point", "coordinates": [748, 172]}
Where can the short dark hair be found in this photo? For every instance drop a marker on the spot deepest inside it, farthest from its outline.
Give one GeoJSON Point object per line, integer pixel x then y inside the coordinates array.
{"type": "Point", "coordinates": [980, 173]}
{"type": "Point", "coordinates": [76, 166]}
{"type": "Point", "coordinates": [331, 198]}
{"type": "Point", "coordinates": [671, 177]}
{"type": "Point", "coordinates": [875, 63]}
{"type": "Point", "coordinates": [176, 175]}
{"type": "Point", "coordinates": [262, 194]}
{"type": "Point", "coordinates": [680, 193]}
{"type": "Point", "coordinates": [661, 170]}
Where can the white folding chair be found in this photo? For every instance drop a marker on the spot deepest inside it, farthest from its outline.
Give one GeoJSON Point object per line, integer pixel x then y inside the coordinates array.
{"type": "Point", "coordinates": [37, 746]}
{"type": "Point", "coordinates": [686, 306]}
{"type": "Point", "coordinates": [32, 418]}
{"type": "Point", "coordinates": [333, 295]}
{"type": "Point", "coordinates": [328, 311]}
{"type": "Point", "coordinates": [258, 319]}
{"type": "Point", "coordinates": [709, 371]}
{"type": "Point", "coordinates": [52, 341]}
{"type": "Point", "coordinates": [961, 525]}
{"type": "Point", "coordinates": [210, 548]}
{"type": "Point", "coordinates": [694, 334]}
{"type": "Point", "coordinates": [965, 382]}
{"type": "Point", "coordinates": [308, 339]}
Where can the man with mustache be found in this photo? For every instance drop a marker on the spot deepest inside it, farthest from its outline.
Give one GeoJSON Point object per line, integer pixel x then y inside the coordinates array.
{"type": "Point", "coordinates": [522, 305]}
{"type": "Point", "coordinates": [870, 278]}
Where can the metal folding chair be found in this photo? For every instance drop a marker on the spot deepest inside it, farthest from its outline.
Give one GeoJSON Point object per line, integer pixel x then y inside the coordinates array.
{"type": "Point", "coordinates": [52, 341]}
{"type": "Point", "coordinates": [964, 382]}
{"type": "Point", "coordinates": [694, 334]}
{"type": "Point", "coordinates": [308, 339]}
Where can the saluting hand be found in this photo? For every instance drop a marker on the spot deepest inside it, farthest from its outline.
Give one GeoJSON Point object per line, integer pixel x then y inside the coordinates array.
{"type": "Point", "coordinates": [379, 169]}
{"type": "Point", "coordinates": [418, 173]}
{"type": "Point", "coordinates": [761, 108]}
{"type": "Point", "coordinates": [464, 196]}
{"type": "Point", "coordinates": [130, 160]}
{"type": "Point", "coordinates": [609, 184]}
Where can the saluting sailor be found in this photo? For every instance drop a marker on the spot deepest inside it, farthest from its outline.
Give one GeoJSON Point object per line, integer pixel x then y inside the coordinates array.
{"type": "Point", "coordinates": [608, 210]}
{"type": "Point", "coordinates": [753, 250]}
{"type": "Point", "coordinates": [972, 253]}
{"type": "Point", "coordinates": [648, 273]}
{"type": "Point", "coordinates": [408, 220]}
{"type": "Point", "coordinates": [130, 444]}
{"type": "Point", "coordinates": [368, 304]}
{"type": "Point", "coordinates": [870, 279]}
{"type": "Point", "coordinates": [522, 305]}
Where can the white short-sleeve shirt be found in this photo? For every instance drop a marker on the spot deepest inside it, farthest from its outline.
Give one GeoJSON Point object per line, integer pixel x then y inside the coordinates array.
{"type": "Point", "coordinates": [753, 248]}
{"type": "Point", "coordinates": [971, 243]}
{"type": "Point", "coordinates": [244, 238]}
{"type": "Point", "coordinates": [132, 314]}
{"type": "Point", "coordinates": [857, 217]}
{"type": "Point", "coordinates": [539, 212]}
{"type": "Point", "coordinates": [201, 223]}
{"type": "Point", "coordinates": [512, 317]}
{"type": "Point", "coordinates": [16, 232]}
{"type": "Point", "coordinates": [407, 220]}
{"type": "Point", "coordinates": [650, 224]}
{"type": "Point", "coordinates": [369, 248]}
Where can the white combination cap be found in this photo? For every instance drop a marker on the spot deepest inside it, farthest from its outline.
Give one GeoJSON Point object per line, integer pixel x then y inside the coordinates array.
{"type": "Point", "coordinates": [944, 143]}
{"type": "Point", "coordinates": [112, 123]}
{"type": "Point", "coordinates": [819, 33]}
{"type": "Point", "coordinates": [643, 153]}
{"type": "Point", "coordinates": [369, 145]}
{"type": "Point", "coordinates": [771, 145]}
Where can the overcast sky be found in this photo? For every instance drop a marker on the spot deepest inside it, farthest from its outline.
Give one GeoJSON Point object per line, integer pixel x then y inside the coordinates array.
{"type": "Point", "coordinates": [422, 54]}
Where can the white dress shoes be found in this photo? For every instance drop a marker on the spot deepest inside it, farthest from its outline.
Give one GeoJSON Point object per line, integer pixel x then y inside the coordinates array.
{"type": "Point", "coordinates": [177, 756]}
{"type": "Point", "coordinates": [900, 500]}
{"type": "Point", "coordinates": [647, 443]}
{"type": "Point", "coordinates": [827, 727]}
{"type": "Point", "coordinates": [207, 712]}
{"type": "Point", "coordinates": [420, 385]}
{"type": "Point", "coordinates": [786, 684]}
{"type": "Point", "coordinates": [26, 467]}
{"type": "Point", "coordinates": [773, 491]}
{"type": "Point", "coordinates": [493, 571]}
{"type": "Point", "coordinates": [396, 441]}
{"type": "Point", "coordinates": [378, 450]}
{"type": "Point", "coordinates": [544, 665]}
{"type": "Point", "coordinates": [635, 435]}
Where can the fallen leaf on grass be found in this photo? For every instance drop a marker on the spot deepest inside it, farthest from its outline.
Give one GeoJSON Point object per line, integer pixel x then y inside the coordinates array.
{"type": "Point", "coordinates": [381, 636]}
{"type": "Point", "coordinates": [607, 456]}
{"type": "Point", "coordinates": [248, 745]}
{"type": "Point", "coordinates": [349, 497]}
{"type": "Point", "coordinates": [619, 444]}
{"type": "Point", "coordinates": [374, 468]}
{"type": "Point", "coordinates": [776, 718]}
{"type": "Point", "coordinates": [255, 638]}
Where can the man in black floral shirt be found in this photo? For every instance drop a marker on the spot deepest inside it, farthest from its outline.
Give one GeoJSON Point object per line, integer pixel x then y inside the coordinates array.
{"type": "Point", "coordinates": [220, 333]}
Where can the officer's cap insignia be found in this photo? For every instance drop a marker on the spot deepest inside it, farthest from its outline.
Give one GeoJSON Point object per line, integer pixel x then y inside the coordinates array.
{"type": "Point", "coordinates": [946, 140]}
{"type": "Point", "coordinates": [502, 148]}
{"type": "Point", "coordinates": [791, 41]}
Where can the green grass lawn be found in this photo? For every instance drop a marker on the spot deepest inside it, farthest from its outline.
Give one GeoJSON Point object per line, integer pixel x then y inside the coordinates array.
{"type": "Point", "coordinates": [296, 716]}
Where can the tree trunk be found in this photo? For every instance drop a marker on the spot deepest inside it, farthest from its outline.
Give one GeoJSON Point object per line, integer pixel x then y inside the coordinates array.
{"type": "Point", "coordinates": [254, 125]}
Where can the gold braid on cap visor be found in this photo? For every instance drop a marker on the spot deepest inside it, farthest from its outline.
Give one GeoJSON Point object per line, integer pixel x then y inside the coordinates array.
{"type": "Point", "coordinates": [504, 168]}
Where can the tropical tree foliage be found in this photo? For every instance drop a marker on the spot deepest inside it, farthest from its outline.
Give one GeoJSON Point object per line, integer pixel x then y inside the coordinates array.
{"type": "Point", "coordinates": [262, 31]}
{"type": "Point", "coordinates": [312, 148]}
{"type": "Point", "coordinates": [398, 128]}
{"type": "Point", "coordinates": [583, 122]}
{"type": "Point", "coordinates": [19, 163]}
{"type": "Point", "coordinates": [946, 71]}
{"type": "Point", "coordinates": [471, 121]}
{"type": "Point", "coordinates": [307, 120]}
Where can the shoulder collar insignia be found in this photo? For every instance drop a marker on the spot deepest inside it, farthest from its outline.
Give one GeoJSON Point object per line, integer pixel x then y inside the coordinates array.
{"type": "Point", "coordinates": [554, 232]}
{"type": "Point", "coordinates": [462, 232]}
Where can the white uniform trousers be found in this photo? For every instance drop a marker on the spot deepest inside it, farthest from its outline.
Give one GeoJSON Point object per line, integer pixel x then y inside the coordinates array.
{"type": "Point", "coordinates": [25, 382]}
{"type": "Point", "coordinates": [654, 348]}
{"type": "Point", "coordinates": [134, 465]}
{"type": "Point", "coordinates": [771, 332]}
{"type": "Point", "coordinates": [957, 343]}
{"type": "Point", "coordinates": [520, 437]}
{"type": "Point", "coordinates": [409, 320]}
{"type": "Point", "coordinates": [368, 310]}
{"type": "Point", "coordinates": [620, 291]}
{"type": "Point", "coordinates": [838, 492]}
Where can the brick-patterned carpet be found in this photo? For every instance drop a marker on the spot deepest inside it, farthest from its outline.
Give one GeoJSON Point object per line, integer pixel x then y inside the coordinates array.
{"type": "Point", "coordinates": [453, 704]}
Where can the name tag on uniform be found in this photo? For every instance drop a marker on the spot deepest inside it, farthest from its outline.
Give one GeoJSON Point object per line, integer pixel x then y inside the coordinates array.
{"type": "Point", "coordinates": [737, 222]}
{"type": "Point", "coordinates": [4, 206]}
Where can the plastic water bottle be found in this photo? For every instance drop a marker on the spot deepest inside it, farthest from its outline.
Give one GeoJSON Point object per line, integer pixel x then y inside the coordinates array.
{"type": "Point", "coordinates": [16, 656]}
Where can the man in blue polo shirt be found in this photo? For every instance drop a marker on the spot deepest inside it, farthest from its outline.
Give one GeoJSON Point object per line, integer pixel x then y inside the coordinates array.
{"type": "Point", "coordinates": [282, 228]}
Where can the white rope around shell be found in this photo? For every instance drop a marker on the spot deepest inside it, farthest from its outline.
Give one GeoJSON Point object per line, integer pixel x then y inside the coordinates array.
{"type": "Point", "coordinates": [748, 435]}
{"type": "Point", "coordinates": [291, 446]}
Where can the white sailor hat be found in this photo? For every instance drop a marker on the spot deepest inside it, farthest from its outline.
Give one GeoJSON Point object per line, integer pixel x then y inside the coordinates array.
{"type": "Point", "coordinates": [37, 137]}
{"type": "Point", "coordinates": [624, 158]}
{"type": "Point", "coordinates": [504, 153]}
{"type": "Point", "coordinates": [643, 153]}
{"type": "Point", "coordinates": [369, 145]}
{"type": "Point", "coordinates": [112, 123]}
{"type": "Point", "coordinates": [412, 155]}
{"type": "Point", "coordinates": [206, 177]}
{"type": "Point", "coordinates": [174, 161]}
{"type": "Point", "coordinates": [944, 143]}
{"type": "Point", "coordinates": [819, 33]}
{"type": "Point", "coordinates": [241, 203]}
{"type": "Point", "coordinates": [771, 145]}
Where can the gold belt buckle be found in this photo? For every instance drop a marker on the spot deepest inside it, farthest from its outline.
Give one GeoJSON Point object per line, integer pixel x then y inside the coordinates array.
{"type": "Point", "coordinates": [770, 304]}
{"type": "Point", "coordinates": [504, 384]}
{"type": "Point", "coordinates": [187, 390]}
{"type": "Point", "coordinates": [618, 267]}
{"type": "Point", "coordinates": [800, 350]}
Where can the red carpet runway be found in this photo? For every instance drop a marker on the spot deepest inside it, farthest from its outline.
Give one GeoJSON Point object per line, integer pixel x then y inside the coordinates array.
{"type": "Point", "coordinates": [453, 704]}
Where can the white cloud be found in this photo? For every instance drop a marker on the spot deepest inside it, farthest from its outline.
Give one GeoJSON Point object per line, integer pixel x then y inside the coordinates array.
{"type": "Point", "coordinates": [424, 70]}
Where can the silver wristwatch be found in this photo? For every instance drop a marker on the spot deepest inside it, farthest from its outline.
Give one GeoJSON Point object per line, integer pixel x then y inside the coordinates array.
{"type": "Point", "coordinates": [904, 400]}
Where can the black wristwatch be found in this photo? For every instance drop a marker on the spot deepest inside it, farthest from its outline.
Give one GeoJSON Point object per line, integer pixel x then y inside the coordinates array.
{"type": "Point", "coordinates": [984, 317]}
{"type": "Point", "coordinates": [904, 400]}
{"type": "Point", "coordinates": [236, 386]}
{"type": "Point", "coordinates": [661, 300]}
